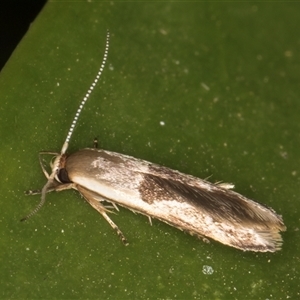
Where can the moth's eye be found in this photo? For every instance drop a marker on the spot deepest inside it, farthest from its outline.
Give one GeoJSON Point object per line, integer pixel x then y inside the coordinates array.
{"type": "Point", "coordinates": [63, 176]}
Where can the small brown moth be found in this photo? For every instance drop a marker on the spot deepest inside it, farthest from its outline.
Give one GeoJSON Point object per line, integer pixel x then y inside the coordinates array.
{"type": "Point", "coordinates": [191, 204]}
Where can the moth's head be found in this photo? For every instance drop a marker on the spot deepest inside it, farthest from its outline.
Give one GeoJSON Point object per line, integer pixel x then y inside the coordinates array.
{"type": "Point", "coordinates": [57, 166]}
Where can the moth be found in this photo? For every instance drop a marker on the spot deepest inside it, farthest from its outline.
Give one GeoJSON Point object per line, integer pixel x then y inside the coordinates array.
{"type": "Point", "coordinates": [191, 204]}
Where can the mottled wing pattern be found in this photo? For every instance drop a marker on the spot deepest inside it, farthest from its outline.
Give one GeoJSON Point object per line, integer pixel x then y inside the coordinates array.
{"type": "Point", "coordinates": [184, 201]}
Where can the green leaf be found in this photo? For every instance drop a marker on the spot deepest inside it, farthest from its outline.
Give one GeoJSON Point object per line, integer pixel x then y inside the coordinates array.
{"type": "Point", "coordinates": [223, 78]}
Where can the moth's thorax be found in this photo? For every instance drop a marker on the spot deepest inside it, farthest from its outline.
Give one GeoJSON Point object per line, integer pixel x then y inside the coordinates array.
{"type": "Point", "coordinates": [105, 166]}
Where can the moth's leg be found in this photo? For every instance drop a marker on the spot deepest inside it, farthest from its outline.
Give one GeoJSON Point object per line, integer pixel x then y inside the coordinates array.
{"type": "Point", "coordinates": [65, 186]}
{"type": "Point", "coordinates": [56, 187]}
{"type": "Point", "coordinates": [32, 192]}
{"type": "Point", "coordinates": [115, 206]}
{"type": "Point", "coordinates": [114, 226]}
{"type": "Point", "coordinates": [93, 200]}
{"type": "Point", "coordinates": [102, 210]}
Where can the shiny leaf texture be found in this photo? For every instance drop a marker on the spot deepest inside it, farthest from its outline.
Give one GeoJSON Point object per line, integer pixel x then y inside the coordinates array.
{"type": "Point", "coordinates": [208, 88]}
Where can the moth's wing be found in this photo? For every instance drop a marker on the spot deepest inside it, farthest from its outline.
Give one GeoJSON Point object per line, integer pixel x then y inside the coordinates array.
{"type": "Point", "coordinates": [222, 203]}
{"type": "Point", "coordinates": [226, 216]}
{"type": "Point", "coordinates": [181, 200]}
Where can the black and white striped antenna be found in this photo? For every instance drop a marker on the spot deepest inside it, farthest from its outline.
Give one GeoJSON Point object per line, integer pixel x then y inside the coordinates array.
{"type": "Point", "coordinates": [56, 164]}
{"type": "Point", "coordinates": [86, 97]}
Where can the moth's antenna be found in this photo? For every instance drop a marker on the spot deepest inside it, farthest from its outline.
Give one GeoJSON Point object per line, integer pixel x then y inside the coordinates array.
{"type": "Point", "coordinates": [86, 97]}
{"type": "Point", "coordinates": [55, 168]}
{"type": "Point", "coordinates": [42, 202]}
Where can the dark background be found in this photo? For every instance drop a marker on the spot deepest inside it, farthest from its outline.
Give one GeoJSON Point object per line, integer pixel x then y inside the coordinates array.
{"type": "Point", "coordinates": [15, 19]}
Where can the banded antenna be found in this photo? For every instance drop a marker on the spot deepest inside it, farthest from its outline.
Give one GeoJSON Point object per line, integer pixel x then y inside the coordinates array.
{"type": "Point", "coordinates": [55, 168]}
{"type": "Point", "coordinates": [86, 97]}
